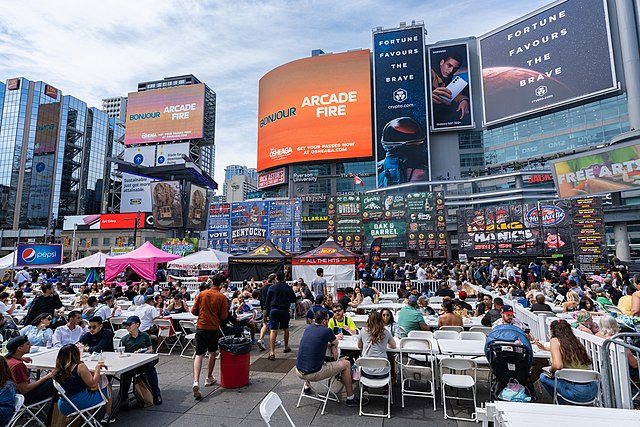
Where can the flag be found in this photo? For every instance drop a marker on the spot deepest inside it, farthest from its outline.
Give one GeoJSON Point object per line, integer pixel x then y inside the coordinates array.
{"type": "Point", "coordinates": [357, 180]}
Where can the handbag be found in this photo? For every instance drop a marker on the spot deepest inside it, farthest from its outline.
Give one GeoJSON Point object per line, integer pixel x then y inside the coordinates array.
{"type": "Point", "coordinates": [514, 392]}
{"type": "Point", "coordinates": [143, 393]}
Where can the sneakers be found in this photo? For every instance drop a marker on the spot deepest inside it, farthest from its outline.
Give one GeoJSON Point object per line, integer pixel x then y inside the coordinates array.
{"type": "Point", "coordinates": [261, 345]}
{"type": "Point", "coordinates": [210, 382]}
{"type": "Point", "coordinates": [307, 390]}
{"type": "Point", "coordinates": [356, 402]}
{"type": "Point", "coordinates": [196, 391]}
{"type": "Point", "coordinates": [287, 350]}
{"type": "Point", "coordinates": [157, 400]}
{"type": "Point", "coordinates": [108, 419]}
{"type": "Point", "coordinates": [278, 342]}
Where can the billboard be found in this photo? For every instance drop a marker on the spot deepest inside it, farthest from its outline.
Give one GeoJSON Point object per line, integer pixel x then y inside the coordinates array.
{"type": "Point", "coordinates": [122, 221]}
{"type": "Point", "coordinates": [166, 199]}
{"type": "Point", "coordinates": [451, 106]}
{"type": "Point", "coordinates": [38, 255]}
{"type": "Point", "coordinates": [399, 81]}
{"type": "Point", "coordinates": [547, 59]}
{"type": "Point", "coordinates": [274, 177]}
{"type": "Point", "coordinates": [182, 247]}
{"type": "Point", "coordinates": [165, 114]}
{"type": "Point", "coordinates": [315, 109]}
{"type": "Point", "coordinates": [249, 225]}
{"type": "Point", "coordinates": [136, 193]}
{"type": "Point", "coordinates": [197, 215]}
{"type": "Point", "coordinates": [47, 128]}
{"type": "Point", "coordinates": [107, 221]}
{"type": "Point", "coordinates": [141, 155]}
{"type": "Point", "coordinates": [219, 233]}
{"type": "Point", "coordinates": [613, 168]}
{"type": "Point", "coordinates": [41, 185]}
{"type": "Point", "coordinates": [171, 154]}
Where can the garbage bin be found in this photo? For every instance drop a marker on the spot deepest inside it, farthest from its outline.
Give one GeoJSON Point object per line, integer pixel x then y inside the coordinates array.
{"type": "Point", "coordinates": [340, 293]}
{"type": "Point", "coordinates": [234, 361]}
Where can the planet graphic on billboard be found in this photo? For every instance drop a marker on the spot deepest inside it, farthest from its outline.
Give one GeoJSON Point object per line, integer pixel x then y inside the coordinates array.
{"type": "Point", "coordinates": [40, 167]}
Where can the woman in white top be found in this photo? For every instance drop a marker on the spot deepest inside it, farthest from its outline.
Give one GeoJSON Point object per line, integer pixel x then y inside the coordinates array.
{"type": "Point", "coordinates": [374, 339]}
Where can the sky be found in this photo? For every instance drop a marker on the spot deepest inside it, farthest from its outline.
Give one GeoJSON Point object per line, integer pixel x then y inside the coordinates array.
{"type": "Point", "coordinates": [98, 49]}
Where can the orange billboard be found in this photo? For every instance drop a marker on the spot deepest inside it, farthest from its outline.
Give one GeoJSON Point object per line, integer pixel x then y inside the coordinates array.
{"type": "Point", "coordinates": [169, 114]}
{"type": "Point", "coordinates": [316, 108]}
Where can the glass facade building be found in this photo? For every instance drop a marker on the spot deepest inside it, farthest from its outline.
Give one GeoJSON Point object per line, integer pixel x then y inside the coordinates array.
{"type": "Point", "coordinates": [93, 162]}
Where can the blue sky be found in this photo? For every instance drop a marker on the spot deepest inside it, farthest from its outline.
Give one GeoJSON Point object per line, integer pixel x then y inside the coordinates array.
{"type": "Point", "coordinates": [93, 50]}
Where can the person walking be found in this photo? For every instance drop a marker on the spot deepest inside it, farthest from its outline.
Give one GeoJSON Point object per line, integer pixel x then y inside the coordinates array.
{"type": "Point", "coordinates": [280, 296]}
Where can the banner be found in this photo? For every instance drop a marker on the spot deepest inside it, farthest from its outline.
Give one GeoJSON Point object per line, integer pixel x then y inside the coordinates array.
{"type": "Point", "coordinates": [135, 195]}
{"type": "Point", "coordinates": [560, 55]}
{"type": "Point", "coordinates": [196, 216]}
{"type": "Point", "coordinates": [167, 203]}
{"type": "Point", "coordinates": [47, 128]}
{"type": "Point", "coordinates": [375, 250]}
{"type": "Point", "coordinates": [219, 233]}
{"type": "Point", "coordinates": [269, 179]}
{"type": "Point", "coordinates": [249, 225]}
{"type": "Point", "coordinates": [143, 155]}
{"type": "Point", "coordinates": [41, 186]}
{"type": "Point", "coordinates": [120, 250]}
{"type": "Point", "coordinates": [182, 247]}
{"type": "Point", "coordinates": [171, 154]}
{"type": "Point", "coordinates": [613, 168]}
{"type": "Point", "coordinates": [451, 106]}
{"type": "Point", "coordinates": [401, 136]}
{"type": "Point", "coordinates": [38, 255]}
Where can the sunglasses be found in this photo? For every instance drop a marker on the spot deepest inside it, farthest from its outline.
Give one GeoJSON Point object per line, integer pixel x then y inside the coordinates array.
{"type": "Point", "coordinates": [94, 326]}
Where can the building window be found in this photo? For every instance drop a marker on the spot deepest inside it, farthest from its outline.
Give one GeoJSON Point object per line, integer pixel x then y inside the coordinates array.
{"type": "Point", "coordinates": [94, 241]}
{"type": "Point", "coordinates": [106, 241]}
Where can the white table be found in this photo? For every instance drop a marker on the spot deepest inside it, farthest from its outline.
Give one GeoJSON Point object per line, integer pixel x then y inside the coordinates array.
{"type": "Point", "coordinates": [182, 316]}
{"type": "Point", "coordinates": [116, 365]}
{"type": "Point", "coordinates": [349, 343]}
{"type": "Point", "coordinates": [384, 304]}
{"type": "Point", "coordinates": [467, 322]}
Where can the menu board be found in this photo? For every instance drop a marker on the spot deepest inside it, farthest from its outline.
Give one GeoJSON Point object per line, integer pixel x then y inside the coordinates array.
{"type": "Point", "coordinates": [589, 235]}
{"type": "Point", "coordinates": [345, 221]}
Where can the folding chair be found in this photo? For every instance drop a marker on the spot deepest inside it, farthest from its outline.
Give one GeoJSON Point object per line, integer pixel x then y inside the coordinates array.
{"type": "Point", "coordinates": [484, 329]}
{"type": "Point", "coordinates": [269, 405]}
{"type": "Point", "coordinates": [576, 376]}
{"type": "Point", "coordinates": [166, 331]}
{"type": "Point", "coordinates": [423, 335]}
{"type": "Point", "coordinates": [446, 335]}
{"type": "Point", "coordinates": [451, 328]}
{"type": "Point", "coordinates": [375, 362]}
{"type": "Point", "coordinates": [32, 411]}
{"type": "Point", "coordinates": [189, 330]}
{"type": "Point", "coordinates": [458, 381]}
{"type": "Point", "coordinates": [324, 398]}
{"type": "Point", "coordinates": [419, 373]}
{"type": "Point", "coordinates": [473, 336]}
{"type": "Point", "coordinates": [116, 322]}
{"type": "Point", "coordinates": [87, 414]}
{"type": "Point", "coordinates": [120, 333]}
{"type": "Point", "coordinates": [16, 414]}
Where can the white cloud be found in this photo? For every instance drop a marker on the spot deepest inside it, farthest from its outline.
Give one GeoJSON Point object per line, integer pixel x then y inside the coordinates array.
{"type": "Point", "coordinates": [93, 50]}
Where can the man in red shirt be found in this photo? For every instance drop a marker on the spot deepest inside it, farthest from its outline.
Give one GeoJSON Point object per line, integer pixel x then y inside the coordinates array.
{"type": "Point", "coordinates": [211, 307]}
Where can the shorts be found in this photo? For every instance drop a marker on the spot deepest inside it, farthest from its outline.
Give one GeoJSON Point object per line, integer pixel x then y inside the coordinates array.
{"type": "Point", "coordinates": [328, 370]}
{"type": "Point", "coordinates": [279, 319]}
{"type": "Point", "coordinates": [207, 340]}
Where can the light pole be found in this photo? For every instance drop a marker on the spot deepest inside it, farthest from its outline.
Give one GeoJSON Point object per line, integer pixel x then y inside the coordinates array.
{"type": "Point", "coordinates": [73, 242]}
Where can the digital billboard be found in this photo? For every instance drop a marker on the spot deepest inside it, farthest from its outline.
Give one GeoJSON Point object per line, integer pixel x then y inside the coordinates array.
{"type": "Point", "coordinates": [274, 177]}
{"type": "Point", "coordinates": [165, 114]}
{"type": "Point", "coordinates": [401, 136]}
{"type": "Point", "coordinates": [315, 109]}
{"type": "Point", "coordinates": [41, 185]}
{"type": "Point", "coordinates": [553, 57]}
{"type": "Point", "coordinates": [197, 213]}
{"type": "Point", "coordinates": [451, 106]}
{"type": "Point", "coordinates": [141, 155]}
{"type": "Point", "coordinates": [613, 168]}
{"type": "Point", "coordinates": [38, 255]}
{"type": "Point", "coordinates": [47, 128]}
{"type": "Point", "coordinates": [166, 199]}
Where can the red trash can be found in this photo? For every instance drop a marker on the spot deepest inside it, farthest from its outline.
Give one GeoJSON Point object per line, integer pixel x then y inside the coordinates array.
{"type": "Point", "coordinates": [340, 292]}
{"type": "Point", "coordinates": [234, 362]}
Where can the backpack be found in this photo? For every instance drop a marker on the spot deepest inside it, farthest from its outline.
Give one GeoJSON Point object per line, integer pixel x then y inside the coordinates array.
{"type": "Point", "coordinates": [477, 275]}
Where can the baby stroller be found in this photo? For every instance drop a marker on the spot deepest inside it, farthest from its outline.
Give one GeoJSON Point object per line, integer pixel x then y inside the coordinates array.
{"type": "Point", "coordinates": [510, 357]}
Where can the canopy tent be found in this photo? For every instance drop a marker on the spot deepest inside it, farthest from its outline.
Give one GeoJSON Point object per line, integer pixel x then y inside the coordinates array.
{"type": "Point", "coordinates": [338, 263]}
{"type": "Point", "coordinates": [97, 260]}
{"type": "Point", "coordinates": [8, 261]}
{"type": "Point", "coordinates": [208, 259]}
{"type": "Point", "coordinates": [258, 263]}
{"type": "Point", "coordinates": [143, 261]}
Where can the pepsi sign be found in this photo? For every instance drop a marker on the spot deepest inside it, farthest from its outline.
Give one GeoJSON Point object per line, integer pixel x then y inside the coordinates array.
{"type": "Point", "coordinates": [39, 255]}
{"type": "Point", "coordinates": [551, 215]}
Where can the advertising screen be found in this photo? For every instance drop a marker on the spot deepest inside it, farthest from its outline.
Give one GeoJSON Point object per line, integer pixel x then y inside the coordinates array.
{"type": "Point", "coordinates": [556, 56]}
{"type": "Point", "coordinates": [197, 215]}
{"type": "Point", "coordinates": [315, 109]}
{"type": "Point", "coordinates": [451, 106]}
{"type": "Point", "coordinates": [165, 114]}
{"type": "Point", "coordinates": [41, 184]}
{"type": "Point", "coordinates": [401, 135]}
{"type": "Point", "coordinates": [141, 156]}
{"type": "Point", "coordinates": [171, 154]}
{"type": "Point", "coordinates": [176, 246]}
{"type": "Point", "coordinates": [47, 128]}
{"type": "Point", "coordinates": [122, 221]}
{"type": "Point", "coordinates": [166, 199]}
{"type": "Point", "coordinates": [269, 179]}
{"type": "Point", "coordinates": [136, 193]}
{"type": "Point", "coordinates": [39, 255]}
{"type": "Point", "coordinates": [613, 168]}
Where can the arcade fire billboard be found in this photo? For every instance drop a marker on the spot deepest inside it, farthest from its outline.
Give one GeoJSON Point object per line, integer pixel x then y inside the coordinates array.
{"type": "Point", "coordinates": [553, 57]}
{"type": "Point", "coordinates": [165, 114]}
{"type": "Point", "coordinates": [315, 109]}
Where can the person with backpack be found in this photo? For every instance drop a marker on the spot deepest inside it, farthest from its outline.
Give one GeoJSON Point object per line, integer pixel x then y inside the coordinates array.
{"type": "Point", "coordinates": [49, 302]}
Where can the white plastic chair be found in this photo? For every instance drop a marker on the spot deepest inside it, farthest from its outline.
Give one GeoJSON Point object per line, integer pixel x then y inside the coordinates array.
{"type": "Point", "coordinates": [328, 395]}
{"type": "Point", "coordinates": [451, 328]}
{"type": "Point", "coordinates": [576, 376]}
{"type": "Point", "coordinates": [189, 329]}
{"type": "Point", "coordinates": [120, 333]}
{"type": "Point", "coordinates": [32, 411]}
{"type": "Point", "coordinates": [473, 336]}
{"type": "Point", "coordinates": [269, 405]}
{"type": "Point", "coordinates": [446, 335]}
{"type": "Point", "coordinates": [373, 363]}
{"type": "Point", "coordinates": [16, 414]}
{"type": "Point", "coordinates": [420, 334]}
{"type": "Point", "coordinates": [165, 327]}
{"type": "Point", "coordinates": [116, 322]}
{"type": "Point", "coordinates": [87, 414]}
{"type": "Point", "coordinates": [484, 329]}
{"type": "Point", "coordinates": [458, 381]}
{"type": "Point", "coordinates": [436, 300]}
{"type": "Point", "coordinates": [412, 372]}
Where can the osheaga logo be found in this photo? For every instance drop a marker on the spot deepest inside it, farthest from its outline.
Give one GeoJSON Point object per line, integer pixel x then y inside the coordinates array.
{"type": "Point", "coordinates": [280, 152]}
{"type": "Point", "coordinates": [551, 215]}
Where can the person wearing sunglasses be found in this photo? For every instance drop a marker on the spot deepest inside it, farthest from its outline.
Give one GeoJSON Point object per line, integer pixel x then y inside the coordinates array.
{"type": "Point", "coordinates": [98, 339]}
{"type": "Point", "coordinates": [341, 324]}
{"type": "Point", "coordinates": [39, 332]}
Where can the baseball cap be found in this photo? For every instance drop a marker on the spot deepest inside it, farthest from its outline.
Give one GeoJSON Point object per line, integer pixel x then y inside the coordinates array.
{"type": "Point", "coordinates": [507, 309]}
{"type": "Point", "coordinates": [14, 343]}
{"type": "Point", "coordinates": [130, 320]}
{"type": "Point", "coordinates": [462, 294]}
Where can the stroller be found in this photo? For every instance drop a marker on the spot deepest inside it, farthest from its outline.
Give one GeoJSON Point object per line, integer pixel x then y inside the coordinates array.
{"type": "Point", "coordinates": [510, 357]}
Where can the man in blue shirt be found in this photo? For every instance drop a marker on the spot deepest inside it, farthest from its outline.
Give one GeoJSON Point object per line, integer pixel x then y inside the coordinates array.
{"type": "Point", "coordinates": [311, 314]}
{"type": "Point", "coordinates": [310, 364]}
{"type": "Point", "coordinates": [280, 296]}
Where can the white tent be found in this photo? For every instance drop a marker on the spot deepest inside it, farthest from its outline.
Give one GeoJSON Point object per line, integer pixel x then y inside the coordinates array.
{"type": "Point", "coordinates": [208, 259]}
{"type": "Point", "coordinates": [93, 261]}
{"type": "Point", "coordinates": [8, 261]}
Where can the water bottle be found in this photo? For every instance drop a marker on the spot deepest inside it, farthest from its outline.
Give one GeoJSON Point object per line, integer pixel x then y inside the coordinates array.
{"type": "Point", "coordinates": [339, 330]}
{"type": "Point", "coordinates": [49, 343]}
{"type": "Point", "coordinates": [4, 348]}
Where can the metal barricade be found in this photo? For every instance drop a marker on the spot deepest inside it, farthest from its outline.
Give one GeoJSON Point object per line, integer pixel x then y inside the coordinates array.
{"type": "Point", "coordinates": [614, 369]}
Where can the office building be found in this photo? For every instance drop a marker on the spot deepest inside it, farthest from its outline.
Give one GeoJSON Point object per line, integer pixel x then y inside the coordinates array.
{"type": "Point", "coordinates": [238, 188]}
{"type": "Point", "coordinates": [115, 107]}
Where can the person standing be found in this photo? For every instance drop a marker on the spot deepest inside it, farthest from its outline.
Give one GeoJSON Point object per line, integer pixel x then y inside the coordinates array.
{"type": "Point", "coordinates": [265, 313]}
{"type": "Point", "coordinates": [319, 284]}
{"type": "Point", "coordinates": [280, 296]}
{"type": "Point", "coordinates": [211, 307]}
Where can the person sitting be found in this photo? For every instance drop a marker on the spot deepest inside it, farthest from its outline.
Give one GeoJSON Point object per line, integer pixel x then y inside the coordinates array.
{"type": "Point", "coordinates": [390, 324]}
{"type": "Point", "coordinates": [609, 327]}
{"type": "Point", "coordinates": [318, 306]}
{"type": "Point", "coordinates": [137, 341]}
{"type": "Point", "coordinates": [540, 304]}
{"type": "Point", "coordinates": [347, 299]}
{"type": "Point", "coordinates": [147, 314]}
{"type": "Point", "coordinates": [368, 291]}
{"type": "Point", "coordinates": [585, 323]}
{"type": "Point", "coordinates": [35, 391]}
{"type": "Point", "coordinates": [243, 309]}
{"type": "Point", "coordinates": [625, 302]}
{"type": "Point", "coordinates": [448, 317]}
{"type": "Point", "coordinates": [39, 331]}
{"type": "Point", "coordinates": [507, 317]}
{"type": "Point", "coordinates": [341, 324]}
{"type": "Point", "coordinates": [423, 305]}
{"type": "Point", "coordinates": [98, 339]}
{"type": "Point", "coordinates": [567, 352]}
{"type": "Point", "coordinates": [587, 304]}
{"type": "Point", "coordinates": [8, 329]}
{"type": "Point", "coordinates": [310, 364]}
{"type": "Point", "coordinates": [81, 384]}
{"type": "Point", "coordinates": [491, 316]}
{"type": "Point", "coordinates": [374, 340]}
{"type": "Point", "coordinates": [573, 299]}
{"type": "Point", "coordinates": [6, 306]}
{"type": "Point", "coordinates": [177, 305]}
{"type": "Point", "coordinates": [462, 302]}
{"type": "Point", "coordinates": [445, 291]}
{"type": "Point", "coordinates": [603, 297]}
{"type": "Point", "coordinates": [7, 393]}
{"type": "Point", "coordinates": [410, 319]}
{"type": "Point", "coordinates": [71, 332]}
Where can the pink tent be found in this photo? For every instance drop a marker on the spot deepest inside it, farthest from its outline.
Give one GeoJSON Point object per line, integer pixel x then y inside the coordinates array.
{"type": "Point", "coordinates": [143, 261]}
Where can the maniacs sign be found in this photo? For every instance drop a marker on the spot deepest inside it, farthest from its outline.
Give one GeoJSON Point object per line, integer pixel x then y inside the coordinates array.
{"type": "Point", "coordinates": [39, 255]}
{"type": "Point", "coordinates": [547, 59]}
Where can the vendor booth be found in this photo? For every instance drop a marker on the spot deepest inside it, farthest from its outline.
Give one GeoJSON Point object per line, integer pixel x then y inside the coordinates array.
{"type": "Point", "coordinates": [143, 261]}
{"type": "Point", "coordinates": [8, 261]}
{"type": "Point", "coordinates": [208, 259]}
{"type": "Point", "coordinates": [339, 264]}
{"type": "Point", "coordinates": [90, 265]}
{"type": "Point", "coordinates": [258, 263]}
